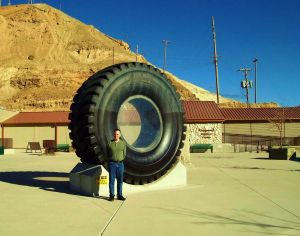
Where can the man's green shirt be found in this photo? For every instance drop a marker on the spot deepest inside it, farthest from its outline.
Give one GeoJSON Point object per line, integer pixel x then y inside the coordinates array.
{"type": "Point", "coordinates": [116, 150]}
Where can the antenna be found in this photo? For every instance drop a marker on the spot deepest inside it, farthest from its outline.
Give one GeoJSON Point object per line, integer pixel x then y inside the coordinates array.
{"type": "Point", "coordinates": [215, 59]}
{"type": "Point", "coordinates": [165, 42]}
{"type": "Point", "coordinates": [246, 83]}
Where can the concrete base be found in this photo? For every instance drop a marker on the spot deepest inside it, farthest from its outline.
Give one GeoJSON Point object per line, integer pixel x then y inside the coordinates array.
{"type": "Point", "coordinates": [282, 153]}
{"type": "Point", "coordinates": [175, 178]}
{"type": "Point", "coordinates": [84, 178]}
{"type": "Point", "coordinates": [93, 180]}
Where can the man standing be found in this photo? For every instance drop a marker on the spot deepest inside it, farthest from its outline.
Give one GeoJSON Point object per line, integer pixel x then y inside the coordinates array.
{"type": "Point", "coordinates": [116, 153]}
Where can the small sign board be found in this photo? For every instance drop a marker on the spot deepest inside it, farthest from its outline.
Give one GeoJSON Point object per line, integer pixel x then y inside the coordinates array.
{"type": "Point", "coordinates": [103, 179]}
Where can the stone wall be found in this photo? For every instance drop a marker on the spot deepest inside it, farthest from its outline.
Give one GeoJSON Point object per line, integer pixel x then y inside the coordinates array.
{"type": "Point", "coordinates": [205, 133]}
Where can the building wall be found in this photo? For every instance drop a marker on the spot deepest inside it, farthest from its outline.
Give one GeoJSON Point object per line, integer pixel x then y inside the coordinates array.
{"type": "Point", "coordinates": [63, 135]}
{"type": "Point", "coordinates": [205, 133]}
{"type": "Point", "coordinates": [292, 129]}
{"type": "Point", "coordinates": [22, 135]}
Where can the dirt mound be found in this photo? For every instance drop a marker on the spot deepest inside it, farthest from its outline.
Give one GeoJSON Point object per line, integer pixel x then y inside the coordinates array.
{"type": "Point", "coordinates": [46, 55]}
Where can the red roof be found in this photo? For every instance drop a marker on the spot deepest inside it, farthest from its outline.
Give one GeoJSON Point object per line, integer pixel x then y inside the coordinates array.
{"type": "Point", "coordinates": [39, 118]}
{"type": "Point", "coordinates": [195, 112]}
{"type": "Point", "coordinates": [202, 111]}
{"type": "Point", "coordinates": [260, 114]}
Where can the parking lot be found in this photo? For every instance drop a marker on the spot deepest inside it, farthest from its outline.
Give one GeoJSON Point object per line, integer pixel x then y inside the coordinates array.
{"type": "Point", "coordinates": [226, 194]}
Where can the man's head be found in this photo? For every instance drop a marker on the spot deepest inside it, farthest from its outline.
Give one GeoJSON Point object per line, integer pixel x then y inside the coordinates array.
{"type": "Point", "coordinates": [117, 134]}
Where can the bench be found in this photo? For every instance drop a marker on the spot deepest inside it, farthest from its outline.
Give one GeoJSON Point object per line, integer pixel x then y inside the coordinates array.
{"type": "Point", "coordinates": [203, 147]}
{"type": "Point", "coordinates": [33, 146]}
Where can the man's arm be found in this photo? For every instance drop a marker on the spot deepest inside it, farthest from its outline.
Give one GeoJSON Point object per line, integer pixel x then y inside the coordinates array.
{"type": "Point", "coordinates": [124, 151]}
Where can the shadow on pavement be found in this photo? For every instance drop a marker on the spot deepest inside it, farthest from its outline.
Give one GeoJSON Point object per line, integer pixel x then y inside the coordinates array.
{"type": "Point", "coordinates": [243, 217]}
{"type": "Point", "coordinates": [295, 159]}
{"type": "Point", "coordinates": [49, 181]}
{"type": "Point", "coordinates": [257, 168]}
{"type": "Point", "coordinates": [261, 158]}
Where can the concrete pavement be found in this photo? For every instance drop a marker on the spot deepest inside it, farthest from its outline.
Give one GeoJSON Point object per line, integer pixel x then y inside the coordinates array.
{"type": "Point", "coordinates": [227, 194]}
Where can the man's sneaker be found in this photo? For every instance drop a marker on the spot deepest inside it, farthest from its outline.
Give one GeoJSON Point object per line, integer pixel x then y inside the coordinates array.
{"type": "Point", "coordinates": [121, 198]}
{"type": "Point", "coordinates": [111, 199]}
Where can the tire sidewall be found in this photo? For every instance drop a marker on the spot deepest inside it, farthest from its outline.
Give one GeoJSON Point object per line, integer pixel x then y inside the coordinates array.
{"type": "Point", "coordinates": [153, 85]}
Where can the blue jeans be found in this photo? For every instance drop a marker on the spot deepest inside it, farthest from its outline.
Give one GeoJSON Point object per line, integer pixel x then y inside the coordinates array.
{"type": "Point", "coordinates": [116, 170]}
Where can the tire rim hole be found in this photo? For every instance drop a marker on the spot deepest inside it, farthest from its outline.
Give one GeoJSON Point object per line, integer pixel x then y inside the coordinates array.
{"type": "Point", "coordinates": [140, 122]}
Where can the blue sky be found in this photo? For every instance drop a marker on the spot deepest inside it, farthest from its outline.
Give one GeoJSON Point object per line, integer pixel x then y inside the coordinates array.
{"type": "Point", "coordinates": [246, 29]}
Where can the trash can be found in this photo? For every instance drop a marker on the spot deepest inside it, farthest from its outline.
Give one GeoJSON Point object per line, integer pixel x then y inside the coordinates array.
{"type": "Point", "coordinates": [1, 150]}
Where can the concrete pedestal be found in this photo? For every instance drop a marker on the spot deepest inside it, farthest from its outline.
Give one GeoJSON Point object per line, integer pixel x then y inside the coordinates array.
{"type": "Point", "coordinates": [84, 179]}
{"type": "Point", "coordinates": [93, 180]}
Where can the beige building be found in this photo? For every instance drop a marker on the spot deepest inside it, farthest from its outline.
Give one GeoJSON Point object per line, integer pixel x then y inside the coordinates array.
{"type": "Point", "coordinates": [206, 124]}
{"type": "Point", "coordinates": [26, 127]}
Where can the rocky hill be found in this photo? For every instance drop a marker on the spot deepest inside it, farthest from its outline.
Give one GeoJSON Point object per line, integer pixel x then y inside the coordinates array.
{"type": "Point", "coordinates": [46, 55]}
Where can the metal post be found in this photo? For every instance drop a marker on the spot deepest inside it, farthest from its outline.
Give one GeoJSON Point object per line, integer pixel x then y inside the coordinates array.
{"type": "Point", "coordinates": [2, 135]}
{"type": "Point", "coordinates": [255, 79]}
{"type": "Point", "coordinates": [215, 59]}
{"type": "Point", "coordinates": [55, 135]}
{"type": "Point", "coordinates": [247, 88]}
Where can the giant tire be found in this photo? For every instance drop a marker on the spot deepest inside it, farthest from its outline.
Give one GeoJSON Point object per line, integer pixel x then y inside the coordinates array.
{"type": "Point", "coordinates": [94, 114]}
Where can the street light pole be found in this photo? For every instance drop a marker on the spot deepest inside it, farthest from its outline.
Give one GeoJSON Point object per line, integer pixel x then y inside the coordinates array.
{"type": "Point", "coordinates": [215, 59]}
{"type": "Point", "coordinates": [255, 79]}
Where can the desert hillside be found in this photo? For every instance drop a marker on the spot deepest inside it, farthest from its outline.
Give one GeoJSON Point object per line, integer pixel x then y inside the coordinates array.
{"type": "Point", "coordinates": [46, 55]}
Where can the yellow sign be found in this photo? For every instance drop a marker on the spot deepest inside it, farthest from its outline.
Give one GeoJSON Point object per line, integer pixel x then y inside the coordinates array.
{"type": "Point", "coordinates": [103, 180]}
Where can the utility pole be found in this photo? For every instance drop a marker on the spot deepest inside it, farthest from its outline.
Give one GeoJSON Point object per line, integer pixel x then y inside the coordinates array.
{"type": "Point", "coordinates": [136, 53]}
{"type": "Point", "coordinates": [165, 42]}
{"type": "Point", "coordinates": [246, 84]}
{"type": "Point", "coordinates": [255, 79]}
{"type": "Point", "coordinates": [113, 55]}
{"type": "Point", "coordinates": [215, 59]}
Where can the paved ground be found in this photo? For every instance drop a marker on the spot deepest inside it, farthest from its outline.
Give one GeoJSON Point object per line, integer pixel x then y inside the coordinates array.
{"type": "Point", "coordinates": [227, 194]}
